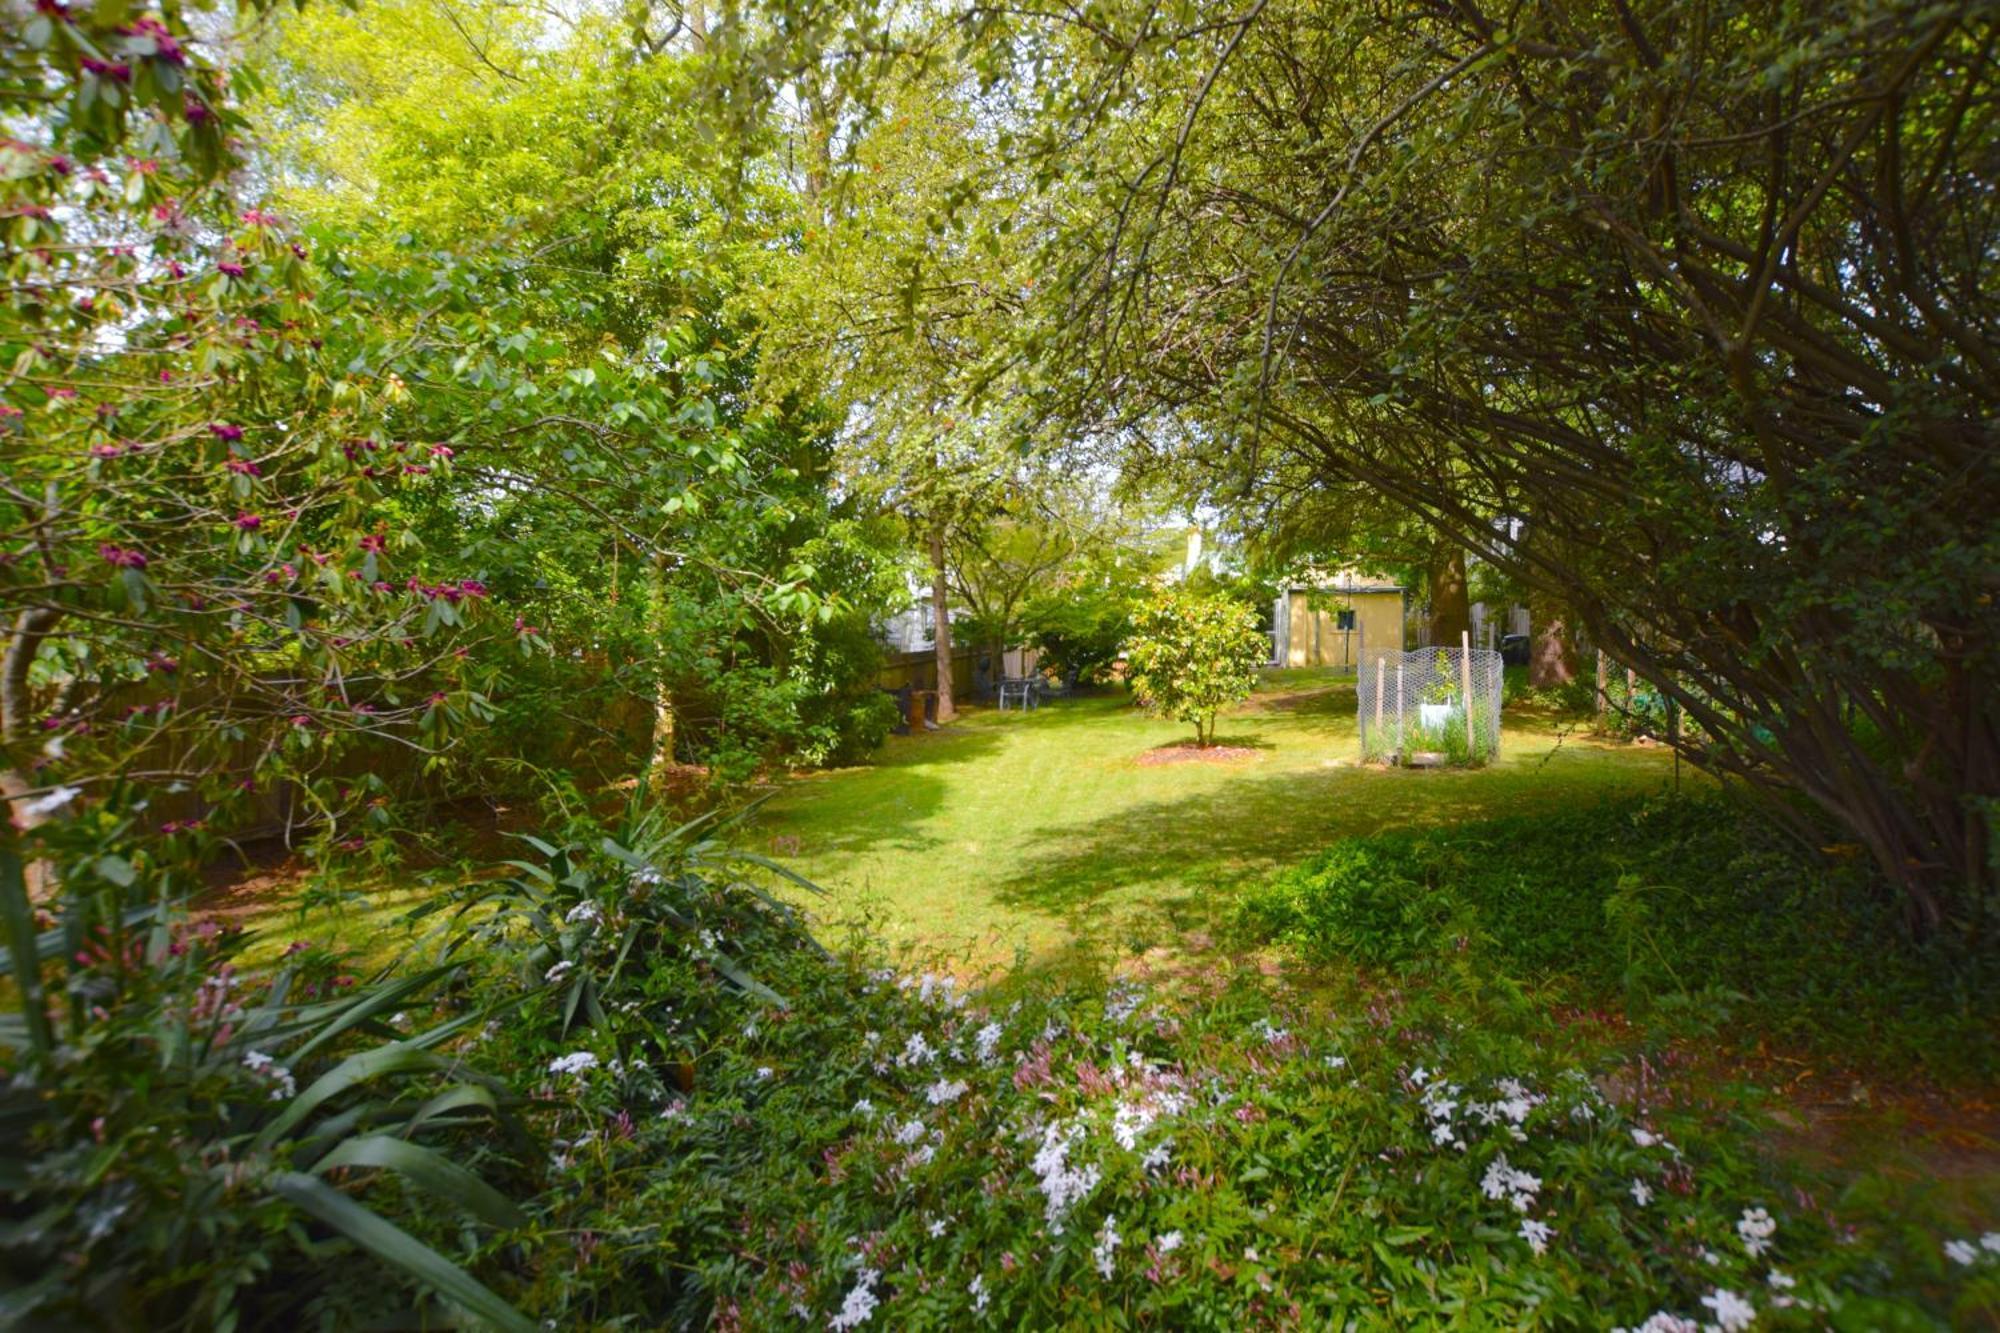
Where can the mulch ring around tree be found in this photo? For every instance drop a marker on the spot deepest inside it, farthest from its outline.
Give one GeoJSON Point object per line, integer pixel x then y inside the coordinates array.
{"type": "Point", "coordinates": [1183, 752]}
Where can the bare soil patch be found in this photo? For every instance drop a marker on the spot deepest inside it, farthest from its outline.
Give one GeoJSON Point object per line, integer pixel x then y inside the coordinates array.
{"type": "Point", "coordinates": [1187, 752]}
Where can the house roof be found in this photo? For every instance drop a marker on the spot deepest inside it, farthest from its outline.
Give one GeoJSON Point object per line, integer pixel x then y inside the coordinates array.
{"type": "Point", "coordinates": [1365, 585]}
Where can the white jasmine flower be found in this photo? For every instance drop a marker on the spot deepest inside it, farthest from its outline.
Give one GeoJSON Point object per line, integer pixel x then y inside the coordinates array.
{"type": "Point", "coordinates": [917, 1051]}
{"type": "Point", "coordinates": [864, 1107]}
{"type": "Point", "coordinates": [51, 802]}
{"type": "Point", "coordinates": [937, 1227]}
{"type": "Point", "coordinates": [1336, 1062]}
{"type": "Point", "coordinates": [860, 1302]}
{"type": "Point", "coordinates": [583, 911]}
{"type": "Point", "coordinates": [909, 1132]}
{"type": "Point", "coordinates": [1108, 1241]}
{"type": "Point", "coordinates": [977, 1289]}
{"type": "Point", "coordinates": [986, 1042]}
{"type": "Point", "coordinates": [573, 1063]}
{"type": "Point", "coordinates": [1663, 1322]}
{"type": "Point", "coordinates": [1782, 1281]}
{"type": "Point", "coordinates": [675, 1109]}
{"type": "Point", "coordinates": [763, 1071]}
{"type": "Point", "coordinates": [1642, 1193]}
{"type": "Point", "coordinates": [1732, 1312]}
{"type": "Point", "coordinates": [1536, 1234]}
{"type": "Point", "coordinates": [1990, 1242]}
{"type": "Point", "coordinates": [1643, 1138]}
{"type": "Point", "coordinates": [1755, 1229]}
{"type": "Point", "coordinates": [1157, 1156]}
{"type": "Point", "coordinates": [558, 972]}
{"type": "Point", "coordinates": [1168, 1243]}
{"type": "Point", "coordinates": [944, 1092]}
{"type": "Point", "coordinates": [1062, 1185]}
{"type": "Point", "coordinates": [1961, 1252]}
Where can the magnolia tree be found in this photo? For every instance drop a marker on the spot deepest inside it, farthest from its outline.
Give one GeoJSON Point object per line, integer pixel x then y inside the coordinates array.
{"type": "Point", "coordinates": [1194, 655]}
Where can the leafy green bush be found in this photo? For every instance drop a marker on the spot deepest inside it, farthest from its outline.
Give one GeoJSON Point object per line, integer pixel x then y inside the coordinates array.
{"type": "Point", "coordinates": [1653, 898]}
{"type": "Point", "coordinates": [1193, 655]}
{"type": "Point", "coordinates": [172, 1135]}
{"type": "Point", "coordinates": [1079, 631]}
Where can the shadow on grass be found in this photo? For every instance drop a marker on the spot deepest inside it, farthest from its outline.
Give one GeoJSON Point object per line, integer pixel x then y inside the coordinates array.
{"type": "Point", "coordinates": [880, 807]}
{"type": "Point", "coordinates": [1212, 841]}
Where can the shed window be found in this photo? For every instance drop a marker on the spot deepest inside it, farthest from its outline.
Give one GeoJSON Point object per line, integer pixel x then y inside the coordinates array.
{"type": "Point", "coordinates": [1344, 619]}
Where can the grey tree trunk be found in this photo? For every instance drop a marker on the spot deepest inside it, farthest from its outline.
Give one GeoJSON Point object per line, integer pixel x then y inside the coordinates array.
{"type": "Point", "coordinates": [941, 627]}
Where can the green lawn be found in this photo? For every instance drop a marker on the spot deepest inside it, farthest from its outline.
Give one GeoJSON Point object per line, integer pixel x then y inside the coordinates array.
{"type": "Point", "coordinates": [1041, 832]}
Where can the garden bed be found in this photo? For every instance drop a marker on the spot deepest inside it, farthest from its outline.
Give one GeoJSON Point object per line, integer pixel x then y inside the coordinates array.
{"type": "Point", "coordinates": [1186, 752]}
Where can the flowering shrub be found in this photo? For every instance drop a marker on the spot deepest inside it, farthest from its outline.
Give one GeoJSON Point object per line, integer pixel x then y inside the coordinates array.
{"type": "Point", "coordinates": [882, 1149]}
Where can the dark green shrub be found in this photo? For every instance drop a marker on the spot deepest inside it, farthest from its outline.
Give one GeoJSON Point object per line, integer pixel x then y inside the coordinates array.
{"type": "Point", "coordinates": [1650, 899]}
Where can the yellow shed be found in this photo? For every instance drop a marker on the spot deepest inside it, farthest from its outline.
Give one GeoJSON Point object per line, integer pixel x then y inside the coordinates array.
{"type": "Point", "coordinates": [1337, 624]}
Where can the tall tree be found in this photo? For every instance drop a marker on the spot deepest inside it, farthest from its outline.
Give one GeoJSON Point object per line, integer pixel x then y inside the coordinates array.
{"type": "Point", "coordinates": [1705, 291]}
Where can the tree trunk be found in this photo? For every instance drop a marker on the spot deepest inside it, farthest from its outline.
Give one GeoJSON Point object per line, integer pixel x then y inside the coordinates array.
{"type": "Point", "coordinates": [30, 628]}
{"type": "Point", "coordinates": [664, 718]}
{"type": "Point", "coordinates": [941, 626]}
{"type": "Point", "coordinates": [1451, 609]}
{"type": "Point", "coordinates": [1552, 656]}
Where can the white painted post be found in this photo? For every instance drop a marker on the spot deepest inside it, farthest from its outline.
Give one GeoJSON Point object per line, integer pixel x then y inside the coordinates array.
{"type": "Point", "coordinates": [1399, 710]}
{"type": "Point", "coordinates": [1465, 677]}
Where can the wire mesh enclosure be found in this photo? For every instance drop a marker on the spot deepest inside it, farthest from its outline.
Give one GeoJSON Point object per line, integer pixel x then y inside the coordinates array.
{"type": "Point", "coordinates": [1431, 707]}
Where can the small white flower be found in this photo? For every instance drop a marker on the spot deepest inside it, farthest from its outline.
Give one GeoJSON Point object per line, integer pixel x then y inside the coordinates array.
{"type": "Point", "coordinates": [1642, 1193]}
{"type": "Point", "coordinates": [1108, 1241]}
{"type": "Point", "coordinates": [1644, 1138]}
{"type": "Point", "coordinates": [583, 911]}
{"type": "Point", "coordinates": [1664, 1322]}
{"type": "Point", "coordinates": [1782, 1281]}
{"type": "Point", "coordinates": [944, 1092]}
{"type": "Point", "coordinates": [573, 1063]}
{"type": "Point", "coordinates": [977, 1289]}
{"type": "Point", "coordinates": [559, 971]}
{"type": "Point", "coordinates": [937, 1228]}
{"type": "Point", "coordinates": [864, 1107]}
{"type": "Point", "coordinates": [675, 1109]}
{"type": "Point", "coordinates": [909, 1132]}
{"type": "Point", "coordinates": [1170, 1242]}
{"type": "Point", "coordinates": [1990, 1242]}
{"type": "Point", "coordinates": [860, 1302]}
{"type": "Point", "coordinates": [1536, 1234]}
{"type": "Point", "coordinates": [1732, 1312]}
{"type": "Point", "coordinates": [763, 1072]}
{"type": "Point", "coordinates": [917, 1051]}
{"type": "Point", "coordinates": [1755, 1229]}
{"type": "Point", "coordinates": [986, 1042]}
{"type": "Point", "coordinates": [51, 802]}
{"type": "Point", "coordinates": [1157, 1156]}
{"type": "Point", "coordinates": [1336, 1062]}
{"type": "Point", "coordinates": [1961, 1252]}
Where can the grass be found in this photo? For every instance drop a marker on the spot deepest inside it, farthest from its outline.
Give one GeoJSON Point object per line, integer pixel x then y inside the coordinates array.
{"type": "Point", "coordinates": [1041, 834]}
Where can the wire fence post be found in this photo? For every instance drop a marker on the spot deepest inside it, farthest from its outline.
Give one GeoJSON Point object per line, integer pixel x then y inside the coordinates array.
{"type": "Point", "coordinates": [1465, 675]}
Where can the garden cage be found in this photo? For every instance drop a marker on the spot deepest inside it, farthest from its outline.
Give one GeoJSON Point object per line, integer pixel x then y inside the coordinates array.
{"type": "Point", "coordinates": [1430, 707]}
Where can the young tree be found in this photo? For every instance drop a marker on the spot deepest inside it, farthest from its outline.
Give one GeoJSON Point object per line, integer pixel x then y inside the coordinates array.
{"type": "Point", "coordinates": [1194, 655]}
